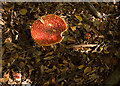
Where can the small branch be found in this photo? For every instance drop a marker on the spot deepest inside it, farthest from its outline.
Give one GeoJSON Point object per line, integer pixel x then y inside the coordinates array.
{"type": "Point", "coordinates": [114, 2]}
{"type": "Point", "coordinates": [81, 45]}
{"type": "Point", "coordinates": [93, 10]}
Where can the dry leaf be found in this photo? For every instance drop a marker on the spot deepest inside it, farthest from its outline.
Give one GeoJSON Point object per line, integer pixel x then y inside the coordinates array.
{"type": "Point", "coordinates": [73, 28]}
{"type": "Point", "coordinates": [3, 50]}
{"type": "Point", "coordinates": [93, 76]}
{"type": "Point", "coordinates": [4, 80]}
{"type": "Point", "coordinates": [49, 58]}
{"type": "Point", "coordinates": [3, 63]}
{"type": "Point", "coordinates": [80, 67]}
{"type": "Point", "coordinates": [49, 53]}
{"type": "Point", "coordinates": [86, 27]}
{"type": "Point", "coordinates": [79, 18]}
{"type": "Point", "coordinates": [87, 69]}
{"type": "Point", "coordinates": [23, 11]}
{"type": "Point", "coordinates": [16, 56]}
{"type": "Point", "coordinates": [46, 83]}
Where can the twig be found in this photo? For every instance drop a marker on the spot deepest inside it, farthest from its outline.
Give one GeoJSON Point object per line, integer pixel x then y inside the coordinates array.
{"type": "Point", "coordinates": [95, 50]}
{"type": "Point", "coordinates": [114, 2]}
{"type": "Point", "coordinates": [11, 18]}
{"type": "Point", "coordinates": [93, 10]}
{"type": "Point", "coordinates": [82, 45]}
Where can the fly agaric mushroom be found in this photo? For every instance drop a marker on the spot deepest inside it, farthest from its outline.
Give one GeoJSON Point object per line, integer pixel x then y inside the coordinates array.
{"type": "Point", "coordinates": [17, 76]}
{"type": "Point", "coordinates": [48, 30]}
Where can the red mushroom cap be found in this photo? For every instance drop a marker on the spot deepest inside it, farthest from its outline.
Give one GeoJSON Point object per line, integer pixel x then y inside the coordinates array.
{"type": "Point", "coordinates": [48, 30]}
{"type": "Point", "coordinates": [17, 76]}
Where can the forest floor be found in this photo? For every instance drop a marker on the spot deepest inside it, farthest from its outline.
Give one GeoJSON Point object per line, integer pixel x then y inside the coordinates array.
{"type": "Point", "coordinates": [88, 54]}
